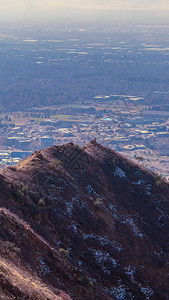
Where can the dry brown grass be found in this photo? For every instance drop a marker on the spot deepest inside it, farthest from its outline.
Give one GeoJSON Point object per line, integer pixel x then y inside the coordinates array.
{"type": "Point", "coordinates": [24, 282]}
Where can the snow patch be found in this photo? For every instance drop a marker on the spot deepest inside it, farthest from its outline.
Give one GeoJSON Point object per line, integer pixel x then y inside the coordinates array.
{"type": "Point", "coordinates": [69, 206]}
{"type": "Point", "coordinates": [148, 189]}
{"type": "Point", "coordinates": [130, 271]}
{"type": "Point", "coordinates": [103, 240]}
{"type": "Point", "coordinates": [134, 227]}
{"type": "Point", "coordinates": [119, 172]}
{"type": "Point", "coordinates": [147, 291]}
{"type": "Point", "coordinates": [119, 293]}
{"type": "Point", "coordinates": [139, 182]}
{"type": "Point", "coordinates": [44, 269]}
{"type": "Point", "coordinates": [115, 212]}
{"type": "Point", "coordinates": [102, 257]}
{"type": "Point", "coordinates": [73, 226]}
{"type": "Point", "coordinates": [91, 190]}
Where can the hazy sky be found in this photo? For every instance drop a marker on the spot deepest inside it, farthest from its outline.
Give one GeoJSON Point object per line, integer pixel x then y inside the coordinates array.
{"type": "Point", "coordinates": [15, 10]}
{"type": "Point", "coordinates": [14, 5]}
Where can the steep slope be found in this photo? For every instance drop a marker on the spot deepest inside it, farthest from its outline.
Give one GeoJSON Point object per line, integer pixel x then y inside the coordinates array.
{"type": "Point", "coordinates": [95, 223]}
{"type": "Point", "coordinates": [17, 281]}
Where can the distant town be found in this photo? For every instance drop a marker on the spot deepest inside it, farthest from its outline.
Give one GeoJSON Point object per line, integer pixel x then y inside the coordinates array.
{"type": "Point", "coordinates": [76, 85]}
{"type": "Point", "coordinates": [121, 122]}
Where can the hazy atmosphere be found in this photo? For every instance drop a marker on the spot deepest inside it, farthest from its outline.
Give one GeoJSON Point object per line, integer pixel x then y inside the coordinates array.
{"type": "Point", "coordinates": [84, 11]}
{"type": "Point", "coordinates": [84, 149]}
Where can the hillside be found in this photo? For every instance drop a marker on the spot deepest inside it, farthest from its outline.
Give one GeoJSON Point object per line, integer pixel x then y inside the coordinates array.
{"type": "Point", "coordinates": [86, 223]}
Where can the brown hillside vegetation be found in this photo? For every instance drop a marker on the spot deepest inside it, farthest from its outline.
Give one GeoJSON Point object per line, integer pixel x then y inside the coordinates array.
{"type": "Point", "coordinates": [83, 223]}
{"type": "Point", "coordinates": [17, 281]}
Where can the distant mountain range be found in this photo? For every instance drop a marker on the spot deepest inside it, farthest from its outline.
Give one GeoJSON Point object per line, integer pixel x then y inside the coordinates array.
{"type": "Point", "coordinates": [83, 223]}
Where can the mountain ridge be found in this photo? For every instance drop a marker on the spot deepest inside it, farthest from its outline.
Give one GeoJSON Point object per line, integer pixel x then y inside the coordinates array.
{"type": "Point", "coordinates": [98, 219]}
